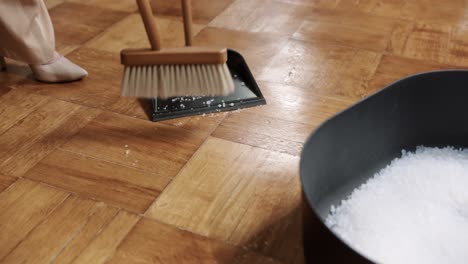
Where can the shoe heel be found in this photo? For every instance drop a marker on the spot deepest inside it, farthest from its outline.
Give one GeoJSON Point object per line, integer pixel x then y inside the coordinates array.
{"type": "Point", "coordinates": [2, 64]}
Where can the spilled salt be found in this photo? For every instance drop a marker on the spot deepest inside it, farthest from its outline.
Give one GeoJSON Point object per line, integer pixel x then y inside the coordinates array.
{"type": "Point", "coordinates": [413, 211]}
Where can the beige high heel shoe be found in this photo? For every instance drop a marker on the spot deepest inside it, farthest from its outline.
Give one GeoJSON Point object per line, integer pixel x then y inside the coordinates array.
{"type": "Point", "coordinates": [59, 69]}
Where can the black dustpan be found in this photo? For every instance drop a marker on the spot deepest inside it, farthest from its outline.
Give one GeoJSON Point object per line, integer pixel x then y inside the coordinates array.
{"type": "Point", "coordinates": [246, 94]}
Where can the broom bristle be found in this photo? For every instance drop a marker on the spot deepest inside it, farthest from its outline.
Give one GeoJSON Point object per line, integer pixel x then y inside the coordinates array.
{"type": "Point", "coordinates": [165, 81]}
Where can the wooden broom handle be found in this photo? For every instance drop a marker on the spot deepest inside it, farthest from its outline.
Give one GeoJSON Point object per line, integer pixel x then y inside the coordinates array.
{"type": "Point", "coordinates": [150, 24]}
{"type": "Point", "coordinates": [187, 12]}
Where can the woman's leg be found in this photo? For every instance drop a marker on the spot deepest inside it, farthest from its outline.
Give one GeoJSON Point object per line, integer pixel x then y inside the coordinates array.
{"type": "Point", "coordinates": [26, 31]}
{"type": "Point", "coordinates": [27, 35]}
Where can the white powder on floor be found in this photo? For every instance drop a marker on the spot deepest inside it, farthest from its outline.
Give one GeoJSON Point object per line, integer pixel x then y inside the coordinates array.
{"type": "Point", "coordinates": [413, 211]}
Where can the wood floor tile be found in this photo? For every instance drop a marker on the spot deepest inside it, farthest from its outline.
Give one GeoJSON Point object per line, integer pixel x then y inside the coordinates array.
{"type": "Point", "coordinates": [15, 74]}
{"type": "Point", "coordinates": [37, 135]}
{"type": "Point", "coordinates": [260, 16]}
{"type": "Point", "coordinates": [346, 27]}
{"type": "Point", "coordinates": [74, 24]}
{"type": "Point", "coordinates": [170, 28]}
{"type": "Point", "coordinates": [100, 89]}
{"type": "Point", "coordinates": [297, 104]}
{"type": "Point", "coordinates": [433, 11]}
{"type": "Point", "coordinates": [256, 48]}
{"type": "Point", "coordinates": [153, 242]}
{"type": "Point", "coordinates": [114, 184]}
{"type": "Point", "coordinates": [45, 241]}
{"type": "Point", "coordinates": [105, 244]}
{"type": "Point", "coordinates": [350, 17]}
{"type": "Point", "coordinates": [121, 5]}
{"type": "Point", "coordinates": [203, 11]}
{"type": "Point", "coordinates": [6, 181]}
{"type": "Point", "coordinates": [133, 107]}
{"type": "Point", "coordinates": [387, 8]}
{"type": "Point", "coordinates": [203, 124]}
{"type": "Point", "coordinates": [264, 132]}
{"type": "Point", "coordinates": [343, 34]}
{"type": "Point", "coordinates": [425, 42]}
{"type": "Point", "coordinates": [331, 4]}
{"type": "Point", "coordinates": [24, 205]}
{"type": "Point", "coordinates": [152, 147]}
{"type": "Point", "coordinates": [4, 89]}
{"type": "Point", "coordinates": [393, 68]}
{"type": "Point", "coordinates": [400, 32]}
{"type": "Point", "coordinates": [233, 192]}
{"type": "Point", "coordinates": [323, 68]}
{"type": "Point", "coordinates": [16, 105]}
{"type": "Point", "coordinates": [53, 3]}
{"type": "Point", "coordinates": [458, 47]}
{"type": "Point", "coordinates": [34, 127]}
{"type": "Point", "coordinates": [102, 215]}
{"type": "Point", "coordinates": [430, 42]}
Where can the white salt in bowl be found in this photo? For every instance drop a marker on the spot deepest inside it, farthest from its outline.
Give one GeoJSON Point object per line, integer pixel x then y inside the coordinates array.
{"type": "Point", "coordinates": [428, 109]}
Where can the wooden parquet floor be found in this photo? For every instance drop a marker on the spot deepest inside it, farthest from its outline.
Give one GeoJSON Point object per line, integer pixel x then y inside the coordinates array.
{"type": "Point", "coordinates": [86, 178]}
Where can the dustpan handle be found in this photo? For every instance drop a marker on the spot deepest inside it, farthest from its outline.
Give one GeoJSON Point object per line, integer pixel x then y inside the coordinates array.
{"type": "Point", "coordinates": [150, 24]}
{"type": "Point", "coordinates": [187, 13]}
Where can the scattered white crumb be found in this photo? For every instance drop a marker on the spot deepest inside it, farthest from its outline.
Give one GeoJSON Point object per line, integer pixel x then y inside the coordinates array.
{"type": "Point", "coordinates": [127, 152]}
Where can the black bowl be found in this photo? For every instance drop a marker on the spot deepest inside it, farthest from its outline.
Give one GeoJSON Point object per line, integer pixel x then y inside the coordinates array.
{"type": "Point", "coordinates": [429, 109]}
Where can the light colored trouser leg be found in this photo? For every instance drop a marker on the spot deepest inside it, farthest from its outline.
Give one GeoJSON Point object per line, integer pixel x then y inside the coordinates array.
{"type": "Point", "coordinates": [26, 31]}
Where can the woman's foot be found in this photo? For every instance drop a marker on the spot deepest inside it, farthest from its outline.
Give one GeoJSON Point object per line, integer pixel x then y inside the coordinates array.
{"type": "Point", "coordinates": [59, 69]}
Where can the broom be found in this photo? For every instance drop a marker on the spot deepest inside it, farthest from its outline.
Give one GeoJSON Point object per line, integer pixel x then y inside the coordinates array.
{"type": "Point", "coordinates": [183, 71]}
